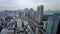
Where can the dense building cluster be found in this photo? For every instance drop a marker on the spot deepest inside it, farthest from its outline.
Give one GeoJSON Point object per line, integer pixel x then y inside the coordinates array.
{"type": "Point", "coordinates": [30, 20]}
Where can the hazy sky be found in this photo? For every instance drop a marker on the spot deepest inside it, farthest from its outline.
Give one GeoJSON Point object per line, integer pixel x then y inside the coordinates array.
{"type": "Point", "coordinates": [21, 4]}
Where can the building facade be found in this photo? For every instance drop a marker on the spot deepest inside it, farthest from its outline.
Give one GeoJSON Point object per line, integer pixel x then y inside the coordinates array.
{"type": "Point", "coordinates": [52, 25]}
{"type": "Point", "coordinates": [40, 13]}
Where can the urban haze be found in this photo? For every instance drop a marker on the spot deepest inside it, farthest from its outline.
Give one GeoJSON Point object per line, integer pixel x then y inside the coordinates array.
{"type": "Point", "coordinates": [29, 16]}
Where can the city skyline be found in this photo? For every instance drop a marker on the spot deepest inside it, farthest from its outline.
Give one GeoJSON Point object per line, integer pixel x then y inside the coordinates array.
{"type": "Point", "coordinates": [21, 4]}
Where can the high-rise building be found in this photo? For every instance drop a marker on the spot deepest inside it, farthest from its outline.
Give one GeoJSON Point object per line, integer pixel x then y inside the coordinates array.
{"type": "Point", "coordinates": [26, 11]}
{"type": "Point", "coordinates": [31, 13]}
{"type": "Point", "coordinates": [53, 25]}
{"type": "Point", "coordinates": [40, 13]}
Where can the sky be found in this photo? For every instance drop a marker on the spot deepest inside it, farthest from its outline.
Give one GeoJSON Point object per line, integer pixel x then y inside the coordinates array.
{"type": "Point", "coordinates": [21, 4]}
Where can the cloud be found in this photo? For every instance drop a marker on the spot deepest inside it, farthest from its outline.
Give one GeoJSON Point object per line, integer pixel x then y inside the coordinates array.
{"type": "Point", "coordinates": [15, 4]}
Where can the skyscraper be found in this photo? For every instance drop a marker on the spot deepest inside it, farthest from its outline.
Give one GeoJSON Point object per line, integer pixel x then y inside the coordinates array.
{"type": "Point", "coordinates": [40, 13]}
